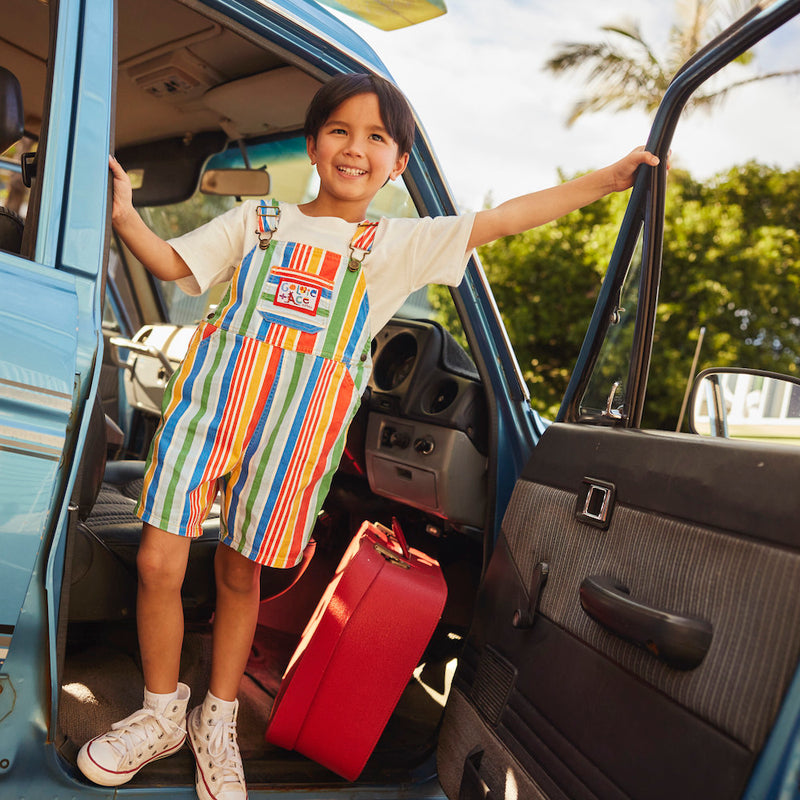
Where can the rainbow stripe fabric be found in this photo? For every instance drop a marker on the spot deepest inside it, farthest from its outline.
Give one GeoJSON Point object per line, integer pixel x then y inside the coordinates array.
{"type": "Point", "coordinates": [260, 406]}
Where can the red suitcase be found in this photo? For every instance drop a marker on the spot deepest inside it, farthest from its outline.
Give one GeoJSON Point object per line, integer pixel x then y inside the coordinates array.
{"type": "Point", "coordinates": [358, 651]}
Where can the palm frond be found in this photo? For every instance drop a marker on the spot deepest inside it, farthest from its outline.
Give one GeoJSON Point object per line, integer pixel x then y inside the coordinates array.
{"type": "Point", "coordinates": [573, 55]}
{"type": "Point", "coordinates": [710, 99]}
{"type": "Point", "coordinates": [624, 71]}
{"type": "Point", "coordinates": [634, 35]}
{"type": "Point", "coordinates": [613, 78]}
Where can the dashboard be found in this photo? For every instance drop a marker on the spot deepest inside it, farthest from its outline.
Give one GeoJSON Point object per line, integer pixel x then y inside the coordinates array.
{"type": "Point", "coordinates": [426, 442]}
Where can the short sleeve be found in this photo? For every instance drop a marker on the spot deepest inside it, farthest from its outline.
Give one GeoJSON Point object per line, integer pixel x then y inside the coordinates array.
{"type": "Point", "coordinates": [436, 248]}
{"type": "Point", "coordinates": [411, 253]}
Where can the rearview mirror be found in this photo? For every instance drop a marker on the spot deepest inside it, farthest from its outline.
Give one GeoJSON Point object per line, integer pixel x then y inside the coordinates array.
{"type": "Point", "coordinates": [235, 182]}
{"type": "Point", "coordinates": [746, 404]}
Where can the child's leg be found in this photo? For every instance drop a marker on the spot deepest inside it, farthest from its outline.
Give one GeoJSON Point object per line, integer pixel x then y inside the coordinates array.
{"type": "Point", "coordinates": [212, 725]}
{"type": "Point", "coordinates": [238, 595]}
{"type": "Point", "coordinates": [159, 728]}
{"type": "Point", "coordinates": [161, 563]}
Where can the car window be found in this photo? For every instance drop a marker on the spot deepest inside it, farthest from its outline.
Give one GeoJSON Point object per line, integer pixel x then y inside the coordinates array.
{"type": "Point", "coordinates": [604, 398]}
{"type": "Point", "coordinates": [15, 195]}
{"type": "Point", "coordinates": [13, 192]}
{"type": "Point", "coordinates": [173, 220]}
{"type": "Point", "coordinates": [728, 291]}
{"type": "Point", "coordinates": [726, 301]}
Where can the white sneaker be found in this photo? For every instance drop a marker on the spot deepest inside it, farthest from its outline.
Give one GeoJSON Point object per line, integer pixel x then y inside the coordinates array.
{"type": "Point", "coordinates": [212, 737]}
{"type": "Point", "coordinates": [155, 731]}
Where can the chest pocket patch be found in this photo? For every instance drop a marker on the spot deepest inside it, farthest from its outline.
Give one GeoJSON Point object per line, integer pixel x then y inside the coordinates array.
{"type": "Point", "coordinates": [298, 300]}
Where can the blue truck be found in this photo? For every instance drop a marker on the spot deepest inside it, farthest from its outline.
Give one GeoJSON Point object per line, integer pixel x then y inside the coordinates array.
{"type": "Point", "coordinates": [623, 615]}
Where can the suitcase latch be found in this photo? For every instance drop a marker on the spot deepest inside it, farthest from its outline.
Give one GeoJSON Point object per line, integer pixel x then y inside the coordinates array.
{"type": "Point", "coordinates": [391, 556]}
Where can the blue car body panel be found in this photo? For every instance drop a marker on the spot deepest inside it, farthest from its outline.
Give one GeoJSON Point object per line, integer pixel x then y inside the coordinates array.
{"type": "Point", "coordinates": [38, 380]}
{"type": "Point", "coordinates": [52, 315]}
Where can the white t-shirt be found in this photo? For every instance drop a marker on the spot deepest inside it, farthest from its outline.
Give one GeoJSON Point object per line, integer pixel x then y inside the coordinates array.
{"type": "Point", "coordinates": [407, 254]}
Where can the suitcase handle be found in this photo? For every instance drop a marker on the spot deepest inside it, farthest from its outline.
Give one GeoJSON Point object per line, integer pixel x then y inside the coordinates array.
{"type": "Point", "coordinates": [395, 536]}
{"type": "Point", "coordinates": [398, 534]}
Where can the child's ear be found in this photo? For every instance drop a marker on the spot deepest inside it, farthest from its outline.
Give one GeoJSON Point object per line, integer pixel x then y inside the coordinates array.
{"type": "Point", "coordinates": [311, 149]}
{"type": "Point", "coordinates": [399, 167]}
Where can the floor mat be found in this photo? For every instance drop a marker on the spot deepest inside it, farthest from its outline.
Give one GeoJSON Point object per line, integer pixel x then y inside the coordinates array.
{"type": "Point", "coordinates": [103, 684]}
{"type": "Point", "coordinates": [272, 650]}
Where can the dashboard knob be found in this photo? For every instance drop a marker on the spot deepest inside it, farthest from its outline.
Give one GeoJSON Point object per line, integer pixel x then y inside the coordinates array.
{"type": "Point", "coordinates": [424, 445]}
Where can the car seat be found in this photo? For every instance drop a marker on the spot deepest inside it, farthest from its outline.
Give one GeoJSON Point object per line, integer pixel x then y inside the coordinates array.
{"type": "Point", "coordinates": [11, 228]}
{"type": "Point", "coordinates": [11, 131]}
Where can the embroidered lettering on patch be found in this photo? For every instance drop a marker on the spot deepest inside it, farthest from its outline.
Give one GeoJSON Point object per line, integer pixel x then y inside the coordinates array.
{"type": "Point", "coordinates": [297, 296]}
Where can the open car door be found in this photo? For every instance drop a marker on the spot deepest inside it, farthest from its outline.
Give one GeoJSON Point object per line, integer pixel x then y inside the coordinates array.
{"type": "Point", "coordinates": [50, 273]}
{"type": "Point", "coordinates": [638, 627]}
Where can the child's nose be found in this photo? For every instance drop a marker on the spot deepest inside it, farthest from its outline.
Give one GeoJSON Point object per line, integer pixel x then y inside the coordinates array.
{"type": "Point", "coordinates": [354, 146]}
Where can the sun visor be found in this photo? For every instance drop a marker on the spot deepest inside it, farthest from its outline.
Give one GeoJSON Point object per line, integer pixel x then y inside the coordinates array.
{"type": "Point", "coordinates": [265, 103]}
{"type": "Point", "coordinates": [168, 171]}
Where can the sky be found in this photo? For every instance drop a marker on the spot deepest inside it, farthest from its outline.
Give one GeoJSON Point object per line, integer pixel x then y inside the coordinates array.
{"type": "Point", "coordinates": [496, 119]}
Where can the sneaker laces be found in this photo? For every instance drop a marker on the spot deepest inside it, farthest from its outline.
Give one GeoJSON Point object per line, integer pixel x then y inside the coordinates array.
{"type": "Point", "coordinates": [223, 750]}
{"type": "Point", "coordinates": [136, 730]}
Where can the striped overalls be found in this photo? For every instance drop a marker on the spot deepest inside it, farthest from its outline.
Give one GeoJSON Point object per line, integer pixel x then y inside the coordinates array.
{"type": "Point", "coordinates": [260, 406]}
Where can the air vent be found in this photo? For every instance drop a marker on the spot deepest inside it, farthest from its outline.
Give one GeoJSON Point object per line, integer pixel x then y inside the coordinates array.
{"type": "Point", "coordinates": [442, 396]}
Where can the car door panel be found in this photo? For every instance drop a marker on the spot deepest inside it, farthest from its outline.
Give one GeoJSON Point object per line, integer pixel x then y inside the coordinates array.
{"type": "Point", "coordinates": [36, 403]}
{"type": "Point", "coordinates": [703, 528]}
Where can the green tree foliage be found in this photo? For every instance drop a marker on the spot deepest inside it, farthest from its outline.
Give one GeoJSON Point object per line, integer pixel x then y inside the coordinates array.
{"type": "Point", "coordinates": [173, 220]}
{"type": "Point", "coordinates": [545, 282]}
{"type": "Point", "coordinates": [731, 265]}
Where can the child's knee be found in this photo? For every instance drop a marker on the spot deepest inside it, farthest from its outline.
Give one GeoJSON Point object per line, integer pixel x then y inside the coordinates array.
{"type": "Point", "coordinates": [235, 572]}
{"type": "Point", "coordinates": [161, 560]}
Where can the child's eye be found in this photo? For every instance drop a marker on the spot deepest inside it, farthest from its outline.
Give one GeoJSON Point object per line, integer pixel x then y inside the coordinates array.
{"type": "Point", "coordinates": [377, 137]}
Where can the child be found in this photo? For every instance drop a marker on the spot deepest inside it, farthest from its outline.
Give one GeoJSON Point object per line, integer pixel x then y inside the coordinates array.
{"type": "Point", "coordinates": [260, 406]}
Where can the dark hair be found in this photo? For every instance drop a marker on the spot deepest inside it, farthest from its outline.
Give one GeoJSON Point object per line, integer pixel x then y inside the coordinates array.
{"type": "Point", "coordinates": [396, 112]}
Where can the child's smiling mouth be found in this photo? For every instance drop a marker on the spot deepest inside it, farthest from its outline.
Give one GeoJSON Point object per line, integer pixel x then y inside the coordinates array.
{"type": "Point", "coordinates": [352, 172]}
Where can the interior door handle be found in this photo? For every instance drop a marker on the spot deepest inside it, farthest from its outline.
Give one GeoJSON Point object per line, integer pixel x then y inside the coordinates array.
{"type": "Point", "coordinates": [679, 641]}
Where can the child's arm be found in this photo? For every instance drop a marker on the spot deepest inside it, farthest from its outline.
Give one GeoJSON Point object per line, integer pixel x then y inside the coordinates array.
{"type": "Point", "coordinates": [531, 210]}
{"type": "Point", "coordinates": [157, 255]}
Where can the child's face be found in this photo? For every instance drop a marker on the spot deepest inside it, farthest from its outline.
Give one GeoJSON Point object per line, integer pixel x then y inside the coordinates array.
{"type": "Point", "coordinates": [354, 154]}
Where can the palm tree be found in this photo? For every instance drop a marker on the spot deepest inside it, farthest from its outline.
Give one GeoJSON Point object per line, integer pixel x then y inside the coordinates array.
{"type": "Point", "coordinates": [624, 71]}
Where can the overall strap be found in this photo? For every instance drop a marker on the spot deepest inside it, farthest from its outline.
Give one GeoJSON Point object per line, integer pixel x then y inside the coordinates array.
{"type": "Point", "coordinates": [268, 215]}
{"type": "Point", "coordinates": [361, 244]}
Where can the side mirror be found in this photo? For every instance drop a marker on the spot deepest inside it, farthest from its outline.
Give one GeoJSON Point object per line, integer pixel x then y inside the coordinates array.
{"type": "Point", "coordinates": [746, 404]}
{"type": "Point", "coordinates": [235, 182]}
{"type": "Point", "coordinates": [11, 116]}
